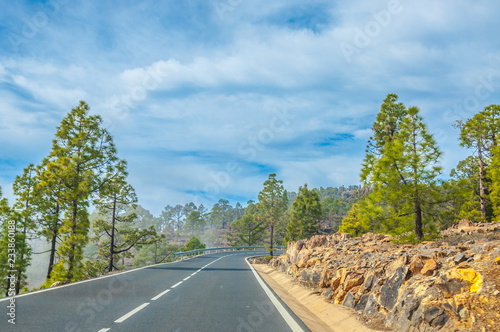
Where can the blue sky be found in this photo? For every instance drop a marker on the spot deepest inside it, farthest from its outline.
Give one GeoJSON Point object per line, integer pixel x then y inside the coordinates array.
{"type": "Point", "coordinates": [206, 98]}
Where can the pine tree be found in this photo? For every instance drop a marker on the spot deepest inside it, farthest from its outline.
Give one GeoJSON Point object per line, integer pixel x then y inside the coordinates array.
{"type": "Point", "coordinates": [495, 181]}
{"type": "Point", "coordinates": [82, 154]}
{"type": "Point", "coordinates": [272, 204]}
{"type": "Point", "coordinates": [481, 133]}
{"type": "Point", "coordinates": [401, 167]}
{"type": "Point", "coordinates": [248, 230]}
{"type": "Point", "coordinates": [24, 217]}
{"type": "Point", "coordinates": [305, 217]}
{"type": "Point", "coordinates": [50, 204]}
{"type": "Point", "coordinates": [114, 238]}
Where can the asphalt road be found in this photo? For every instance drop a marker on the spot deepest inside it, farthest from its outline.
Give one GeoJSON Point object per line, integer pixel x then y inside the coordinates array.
{"type": "Point", "coordinates": [214, 292]}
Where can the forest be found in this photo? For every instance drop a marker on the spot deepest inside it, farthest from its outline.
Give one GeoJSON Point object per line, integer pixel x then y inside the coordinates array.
{"type": "Point", "coordinates": [77, 210]}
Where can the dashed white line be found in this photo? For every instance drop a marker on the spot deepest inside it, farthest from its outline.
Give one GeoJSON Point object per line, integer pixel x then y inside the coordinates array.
{"type": "Point", "coordinates": [127, 315]}
{"type": "Point", "coordinates": [186, 278]}
{"type": "Point", "coordinates": [104, 330]}
{"type": "Point", "coordinates": [177, 284]}
{"type": "Point", "coordinates": [160, 295]}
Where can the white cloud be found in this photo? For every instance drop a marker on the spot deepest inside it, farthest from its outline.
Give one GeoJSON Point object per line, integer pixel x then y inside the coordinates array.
{"type": "Point", "coordinates": [183, 96]}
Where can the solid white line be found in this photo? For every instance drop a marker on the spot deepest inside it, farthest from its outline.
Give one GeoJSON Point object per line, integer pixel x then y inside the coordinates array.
{"type": "Point", "coordinates": [160, 295]}
{"type": "Point", "coordinates": [284, 313]}
{"type": "Point", "coordinates": [177, 284]}
{"type": "Point", "coordinates": [124, 317]}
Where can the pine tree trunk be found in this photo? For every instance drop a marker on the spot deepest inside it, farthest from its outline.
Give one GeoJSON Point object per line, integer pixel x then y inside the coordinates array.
{"type": "Point", "coordinates": [482, 187]}
{"type": "Point", "coordinates": [418, 219]}
{"type": "Point", "coordinates": [71, 258]}
{"type": "Point", "coordinates": [53, 243]}
{"type": "Point", "coordinates": [272, 238]}
{"type": "Point", "coordinates": [112, 240]}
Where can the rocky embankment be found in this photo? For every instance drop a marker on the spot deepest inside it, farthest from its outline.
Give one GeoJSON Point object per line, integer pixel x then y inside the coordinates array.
{"type": "Point", "coordinates": [448, 285]}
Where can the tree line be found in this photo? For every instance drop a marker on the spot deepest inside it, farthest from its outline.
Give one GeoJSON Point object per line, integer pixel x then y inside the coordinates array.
{"type": "Point", "coordinates": [402, 193]}
{"type": "Point", "coordinates": [83, 171]}
{"type": "Point", "coordinates": [401, 168]}
{"type": "Point", "coordinates": [52, 202]}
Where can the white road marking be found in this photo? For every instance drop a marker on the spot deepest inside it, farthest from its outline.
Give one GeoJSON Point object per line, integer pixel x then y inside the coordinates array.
{"type": "Point", "coordinates": [127, 315]}
{"type": "Point", "coordinates": [177, 284]}
{"type": "Point", "coordinates": [104, 330]}
{"type": "Point", "coordinates": [186, 278]}
{"type": "Point", "coordinates": [160, 295]}
{"type": "Point", "coordinates": [284, 313]}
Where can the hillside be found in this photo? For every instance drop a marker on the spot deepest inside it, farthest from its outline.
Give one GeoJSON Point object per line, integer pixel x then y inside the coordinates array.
{"type": "Point", "coordinates": [447, 285]}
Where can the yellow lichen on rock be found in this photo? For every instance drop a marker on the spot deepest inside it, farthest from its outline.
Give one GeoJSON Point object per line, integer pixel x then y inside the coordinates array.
{"type": "Point", "coordinates": [470, 275]}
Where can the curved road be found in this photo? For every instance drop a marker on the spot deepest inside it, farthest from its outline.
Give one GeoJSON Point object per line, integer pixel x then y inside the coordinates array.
{"type": "Point", "coordinates": [214, 292]}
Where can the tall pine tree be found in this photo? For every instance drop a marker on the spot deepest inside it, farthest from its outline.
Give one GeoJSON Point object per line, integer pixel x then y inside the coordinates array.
{"type": "Point", "coordinates": [401, 167]}
{"type": "Point", "coordinates": [83, 153]}
{"type": "Point", "coordinates": [272, 205]}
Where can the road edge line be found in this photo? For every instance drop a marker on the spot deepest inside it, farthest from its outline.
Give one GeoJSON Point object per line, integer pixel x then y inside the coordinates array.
{"type": "Point", "coordinates": [292, 323]}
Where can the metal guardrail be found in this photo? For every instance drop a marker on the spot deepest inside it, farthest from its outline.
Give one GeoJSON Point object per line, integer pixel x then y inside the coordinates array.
{"type": "Point", "coordinates": [212, 250]}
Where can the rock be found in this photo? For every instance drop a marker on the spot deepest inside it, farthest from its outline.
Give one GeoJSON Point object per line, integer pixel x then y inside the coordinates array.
{"type": "Point", "coordinates": [432, 286]}
{"type": "Point", "coordinates": [399, 262]}
{"type": "Point", "coordinates": [457, 281]}
{"type": "Point", "coordinates": [435, 316]}
{"type": "Point", "coordinates": [349, 300]}
{"type": "Point", "coordinates": [390, 290]}
{"type": "Point", "coordinates": [429, 267]}
{"type": "Point", "coordinates": [416, 265]}
{"type": "Point", "coordinates": [369, 280]}
{"type": "Point", "coordinates": [55, 284]}
{"type": "Point", "coordinates": [360, 306]}
{"type": "Point", "coordinates": [371, 306]}
{"type": "Point", "coordinates": [352, 281]}
{"type": "Point", "coordinates": [459, 258]}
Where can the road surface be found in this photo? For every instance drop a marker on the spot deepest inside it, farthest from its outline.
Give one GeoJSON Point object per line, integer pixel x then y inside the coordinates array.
{"type": "Point", "coordinates": [214, 292]}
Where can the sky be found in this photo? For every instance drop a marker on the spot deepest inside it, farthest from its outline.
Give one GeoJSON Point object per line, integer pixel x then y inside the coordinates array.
{"type": "Point", "coordinates": [206, 98]}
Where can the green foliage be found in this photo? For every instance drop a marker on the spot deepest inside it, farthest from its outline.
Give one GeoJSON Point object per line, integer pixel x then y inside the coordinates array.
{"type": "Point", "coordinates": [221, 214]}
{"type": "Point", "coordinates": [194, 243]}
{"type": "Point", "coordinates": [114, 232]}
{"type": "Point", "coordinates": [481, 133]}
{"type": "Point", "coordinates": [305, 217]}
{"type": "Point", "coordinates": [495, 181]}
{"type": "Point", "coordinates": [22, 220]}
{"type": "Point", "coordinates": [195, 221]}
{"type": "Point", "coordinates": [248, 230]}
{"type": "Point", "coordinates": [401, 169]}
{"type": "Point", "coordinates": [272, 204]}
{"type": "Point", "coordinates": [83, 155]}
{"type": "Point", "coordinates": [158, 252]}
{"type": "Point", "coordinates": [93, 269]}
